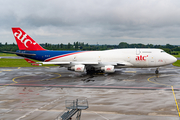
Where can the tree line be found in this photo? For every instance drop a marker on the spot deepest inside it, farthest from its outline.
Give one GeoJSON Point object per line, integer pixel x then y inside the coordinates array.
{"type": "Point", "coordinates": [82, 46]}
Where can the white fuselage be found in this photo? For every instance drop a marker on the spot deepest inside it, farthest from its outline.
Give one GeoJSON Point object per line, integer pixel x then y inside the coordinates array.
{"type": "Point", "coordinates": [124, 57]}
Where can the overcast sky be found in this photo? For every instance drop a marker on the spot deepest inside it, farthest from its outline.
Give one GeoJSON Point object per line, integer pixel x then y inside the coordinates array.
{"type": "Point", "coordinates": [92, 21]}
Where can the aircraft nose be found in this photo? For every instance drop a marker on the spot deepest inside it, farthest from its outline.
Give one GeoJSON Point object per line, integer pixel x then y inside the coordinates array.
{"type": "Point", "coordinates": [173, 59]}
{"type": "Point", "coordinates": [170, 59]}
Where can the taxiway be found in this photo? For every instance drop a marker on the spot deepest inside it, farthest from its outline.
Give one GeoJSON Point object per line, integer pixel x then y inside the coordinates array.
{"type": "Point", "coordinates": [40, 92]}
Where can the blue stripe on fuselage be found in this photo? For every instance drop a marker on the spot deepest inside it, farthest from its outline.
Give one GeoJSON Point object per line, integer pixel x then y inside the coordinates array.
{"type": "Point", "coordinates": [43, 55]}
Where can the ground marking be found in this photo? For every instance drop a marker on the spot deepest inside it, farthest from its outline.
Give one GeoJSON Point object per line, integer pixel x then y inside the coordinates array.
{"type": "Point", "coordinates": [7, 84]}
{"type": "Point", "coordinates": [175, 101]}
{"type": "Point", "coordinates": [34, 81]}
{"type": "Point", "coordinates": [101, 116]}
{"type": "Point", "coordinates": [172, 91]}
{"type": "Point", "coordinates": [130, 71]}
{"type": "Point", "coordinates": [157, 82]}
{"type": "Point", "coordinates": [37, 109]}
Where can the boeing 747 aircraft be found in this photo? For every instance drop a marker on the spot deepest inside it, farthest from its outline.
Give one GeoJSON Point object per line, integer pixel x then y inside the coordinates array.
{"type": "Point", "coordinates": [92, 61]}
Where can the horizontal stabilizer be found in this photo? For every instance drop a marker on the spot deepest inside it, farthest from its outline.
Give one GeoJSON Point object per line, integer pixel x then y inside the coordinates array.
{"type": "Point", "coordinates": [20, 54]}
{"type": "Point", "coordinates": [32, 62]}
{"type": "Point", "coordinates": [36, 64]}
{"type": "Point", "coordinates": [29, 61]}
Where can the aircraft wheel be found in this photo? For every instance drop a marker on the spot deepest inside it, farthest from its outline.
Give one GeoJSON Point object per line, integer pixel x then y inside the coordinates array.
{"type": "Point", "coordinates": [157, 71]}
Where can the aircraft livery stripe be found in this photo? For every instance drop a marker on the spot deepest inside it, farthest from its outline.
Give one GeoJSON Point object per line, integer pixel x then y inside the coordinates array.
{"type": "Point", "coordinates": [49, 59]}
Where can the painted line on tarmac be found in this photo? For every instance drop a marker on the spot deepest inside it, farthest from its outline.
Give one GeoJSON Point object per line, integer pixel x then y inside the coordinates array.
{"type": "Point", "coordinates": [19, 67]}
{"type": "Point", "coordinates": [175, 100]}
{"type": "Point", "coordinates": [101, 116]}
{"type": "Point", "coordinates": [7, 84]}
{"type": "Point", "coordinates": [37, 109]}
{"type": "Point", "coordinates": [14, 79]}
{"type": "Point", "coordinates": [130, 71]}
{"type": "Point", "coordinates": [4, 70]}
{"type": "Point", "coordinates": [84, 86]}
{"type": "Point", "coordinates": [155, 82]}
{"type": "Point", "coordinates": [172, 91]}
{"type": "Point", "coordinates": [160, 83]}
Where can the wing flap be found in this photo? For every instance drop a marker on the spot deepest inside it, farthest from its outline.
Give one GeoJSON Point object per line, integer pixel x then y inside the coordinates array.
{"type": "Point", "coordinates": [124, 64]}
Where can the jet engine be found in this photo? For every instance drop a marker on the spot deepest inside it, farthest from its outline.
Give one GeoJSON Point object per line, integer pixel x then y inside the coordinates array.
{"type": "Point", "coordinates": [77, 68]}
{"type": "Point", "coordinates": [108, 69]}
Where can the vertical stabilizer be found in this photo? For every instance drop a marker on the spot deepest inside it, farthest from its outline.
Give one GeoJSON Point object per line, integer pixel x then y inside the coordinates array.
{"type": "Point", "coordinates": [24, 41]}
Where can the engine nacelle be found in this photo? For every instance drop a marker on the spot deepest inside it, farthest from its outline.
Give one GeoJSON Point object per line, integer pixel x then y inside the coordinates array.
{"type": "Point", "coordinates": [77, 68]}
{"type": "Point", "coordinates": [108, 69]}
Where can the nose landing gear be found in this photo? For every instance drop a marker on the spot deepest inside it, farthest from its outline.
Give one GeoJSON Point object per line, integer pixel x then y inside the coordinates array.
{"type": "Point", "coordinates": [157, 71]}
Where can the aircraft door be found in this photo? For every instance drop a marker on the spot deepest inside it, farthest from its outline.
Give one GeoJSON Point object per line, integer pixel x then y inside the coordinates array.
{"type": "Point", "coordinates": [138, 51]}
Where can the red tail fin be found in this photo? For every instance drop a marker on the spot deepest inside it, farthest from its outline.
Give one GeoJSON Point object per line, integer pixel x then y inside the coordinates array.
{"type": "Point", "coordinates": [24, 41]}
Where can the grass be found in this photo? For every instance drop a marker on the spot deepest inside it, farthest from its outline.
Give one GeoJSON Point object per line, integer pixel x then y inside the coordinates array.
{"type": "Point", "coordinates": [17, 63]}
{"type": "Point", "coordinates": [177, 63]}
{"type": "Point", "coordinates": [177, 56]}
{"type": "Point", "coordinates": [6, 54]}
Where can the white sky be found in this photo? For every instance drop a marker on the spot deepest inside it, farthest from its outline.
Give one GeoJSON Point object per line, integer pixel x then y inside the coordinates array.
{"type": "Point", "coordinates": [92, 21]}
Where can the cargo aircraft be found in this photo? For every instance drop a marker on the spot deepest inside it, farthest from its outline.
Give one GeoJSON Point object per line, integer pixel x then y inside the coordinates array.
{"type": "Point", "coordinates": [91, 61]}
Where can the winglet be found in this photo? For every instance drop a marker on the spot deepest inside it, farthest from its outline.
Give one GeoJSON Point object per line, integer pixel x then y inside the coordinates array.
{"type": "Point", "coordinates": [24, 41]}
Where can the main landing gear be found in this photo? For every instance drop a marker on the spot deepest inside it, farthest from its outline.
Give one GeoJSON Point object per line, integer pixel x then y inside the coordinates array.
{"type": "Point", "coordinates": [157, 71]}
{"type": "Point", "coordinates": [92, 71]}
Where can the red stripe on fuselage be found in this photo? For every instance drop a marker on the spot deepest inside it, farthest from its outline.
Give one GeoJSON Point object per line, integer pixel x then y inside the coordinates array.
{"type": "Point", "coordinates": [49, 59]}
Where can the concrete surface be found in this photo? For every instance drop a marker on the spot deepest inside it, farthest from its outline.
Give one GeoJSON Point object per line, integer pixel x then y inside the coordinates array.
{"type": "Point", "coordinates": [136, 94]}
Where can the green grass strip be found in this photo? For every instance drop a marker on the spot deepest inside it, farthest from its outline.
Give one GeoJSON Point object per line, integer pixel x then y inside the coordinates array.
{"type": "Point", "coordinates": [6, 54]}
{"type": "Point", "coordinates": [17, 63]}
{"type": "Point", "coordinates": [177, 63]}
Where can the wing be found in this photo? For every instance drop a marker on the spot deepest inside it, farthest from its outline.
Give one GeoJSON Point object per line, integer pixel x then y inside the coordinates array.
{"type": "Point", "coordinates": [123, 64]}
{"type": "Point", "coordinates": [68, 63]}
{"type": "Point", "coordinates": [81, 66]}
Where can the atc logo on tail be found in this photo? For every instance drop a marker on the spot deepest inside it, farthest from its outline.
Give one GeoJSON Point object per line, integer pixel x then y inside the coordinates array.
{"type": "Point", "coordinates": [21, 37]}
{"type": "Point", "coordinates": [24, 41]}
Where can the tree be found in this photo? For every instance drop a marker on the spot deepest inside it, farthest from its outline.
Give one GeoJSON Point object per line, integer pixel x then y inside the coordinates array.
{"type": "Point", "coordinates": [76, 45]}
{"type": "Point", "coordinates": [69, 46]}
{"type": "Point", "coordinates": [123, 45]}
{"type": "Point", "coordinates": [61, 45]}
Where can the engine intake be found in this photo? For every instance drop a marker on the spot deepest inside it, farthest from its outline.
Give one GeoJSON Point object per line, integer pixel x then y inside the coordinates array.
{"type": "Point", "coordinates": [77, 68]}
{"type": "Point", "coordinates": [108, 69]}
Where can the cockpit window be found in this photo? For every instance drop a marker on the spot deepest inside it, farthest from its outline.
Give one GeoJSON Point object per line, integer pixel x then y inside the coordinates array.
{"type": "Point", "coordinates": [162, 51]}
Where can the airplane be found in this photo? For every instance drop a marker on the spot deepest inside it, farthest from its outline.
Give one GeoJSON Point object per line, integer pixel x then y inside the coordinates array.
{"type": "Point", "coordinates": [91, 61]}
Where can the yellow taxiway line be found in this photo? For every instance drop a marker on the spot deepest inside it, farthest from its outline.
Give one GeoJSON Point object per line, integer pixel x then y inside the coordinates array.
{"type": "Point", "coordinates": [36, 80]}
{"type": "Point", "coordinates": [175, 100]}
{"type": "Point", "coordinates": [171, 88]}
